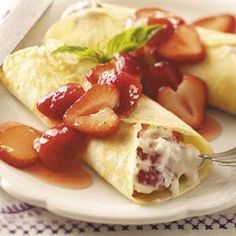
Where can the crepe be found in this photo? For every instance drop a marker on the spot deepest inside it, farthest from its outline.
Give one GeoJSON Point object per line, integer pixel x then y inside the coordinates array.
{"type": "Point", "coordinates": [43, 71]}
{"type": "Point", "coordinates": [114, 158]}
{"type": "Point", "coordinates": [31, 73]}
{"type": "Point", "coordinates": [218, 70]}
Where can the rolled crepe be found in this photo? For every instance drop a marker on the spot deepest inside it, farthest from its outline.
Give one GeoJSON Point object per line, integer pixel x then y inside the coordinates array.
{"type": "Point", "coordinates": [218, 70]}
{"type": "Point", "coordinates": [91, 27]}
{"type": "Point", "coordinates": [31, 73]}
{"type": "Point", "coordinates": [44, 71]}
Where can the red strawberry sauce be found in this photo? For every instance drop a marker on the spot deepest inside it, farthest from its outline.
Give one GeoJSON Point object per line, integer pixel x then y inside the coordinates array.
{"type": "Point", "coordinates": [73, 177]}
{"type": "Point", "coordinates": [211, 129]}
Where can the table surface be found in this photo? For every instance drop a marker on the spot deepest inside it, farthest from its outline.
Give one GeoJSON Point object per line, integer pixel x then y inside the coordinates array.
{"type": "Point", "coordinates": [19, 218]}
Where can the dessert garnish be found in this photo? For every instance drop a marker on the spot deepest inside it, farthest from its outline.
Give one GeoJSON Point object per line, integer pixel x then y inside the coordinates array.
{"type": "Point", "coordinates": [126, 41]}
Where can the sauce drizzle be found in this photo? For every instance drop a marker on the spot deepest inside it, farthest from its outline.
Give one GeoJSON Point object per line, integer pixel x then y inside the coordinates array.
{"type": "Point", "coordinates": [211, 129]}
{"type": "Point", "coordinates": [73, 177]}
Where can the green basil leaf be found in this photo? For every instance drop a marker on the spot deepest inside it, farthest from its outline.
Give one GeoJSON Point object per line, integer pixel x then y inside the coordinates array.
{"type": "Point", "coordinates": [126, 41]}
{"type": "Point", "coordinates": [82, 52]}
{"type": "Point", "coordinates": [130, 39]}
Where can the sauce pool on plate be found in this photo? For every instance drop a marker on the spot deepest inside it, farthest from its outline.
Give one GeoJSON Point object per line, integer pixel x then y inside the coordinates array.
{"type": "Point", "coordinates": [73, 177]}
{"type": "Point", "coordinates": [211, 129]}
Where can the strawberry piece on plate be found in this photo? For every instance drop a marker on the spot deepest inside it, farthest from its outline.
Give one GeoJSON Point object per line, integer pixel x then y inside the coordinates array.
{"type": "Point", "coordinates": [183, 46]}
{"type": "Point", "coordinates": [130, 91]}
{"type": "Point", "coordinates": [16, 144]}
{"type": "Point", "coordinates": [104, 72]}
{"type": "Point", "coordinates": [224, 23]}
{"type": "Point", "coordinates": [159, 13]}
{"type": "Point", "coordinates": [160, 74]}
{"type": "Point", "coordinates": [55, 104]}
{"type": "Point", "coordinates": [57, 147]}
{"type": "Point", "coordinates": [93, 112]}
{"type": "Point", "coordinates": [188, 102]}
{"type": "Point", "coordinates": [161, 35]}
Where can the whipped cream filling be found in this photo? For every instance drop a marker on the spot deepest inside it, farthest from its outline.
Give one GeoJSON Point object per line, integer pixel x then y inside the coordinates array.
{"type": "Point", "coordinates": [162, 159]}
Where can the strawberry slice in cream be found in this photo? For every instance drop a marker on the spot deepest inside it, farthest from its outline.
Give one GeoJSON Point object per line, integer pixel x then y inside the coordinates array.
{"type": "Point", "coordinates": [162, 159]}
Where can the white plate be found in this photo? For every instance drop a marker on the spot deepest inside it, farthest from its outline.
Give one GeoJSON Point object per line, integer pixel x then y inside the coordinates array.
{"type": "Point", "coordinates": [101, 202]}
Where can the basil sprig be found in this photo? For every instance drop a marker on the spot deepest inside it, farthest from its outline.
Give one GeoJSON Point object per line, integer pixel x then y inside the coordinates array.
{"type": "Point", "coordinates": [126, 41]}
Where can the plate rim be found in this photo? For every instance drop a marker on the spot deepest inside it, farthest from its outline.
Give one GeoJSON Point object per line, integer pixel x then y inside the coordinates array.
{"type": "Point", "coordinates": [8, 186]}
{"type": "Point", "coordinates": [47, 203]}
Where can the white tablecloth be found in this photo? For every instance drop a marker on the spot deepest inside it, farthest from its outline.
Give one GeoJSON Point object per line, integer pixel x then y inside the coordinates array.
{"type": "Point", "coordinates": [19, 218]}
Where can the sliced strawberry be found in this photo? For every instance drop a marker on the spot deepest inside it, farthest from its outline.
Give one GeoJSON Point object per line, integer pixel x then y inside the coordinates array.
{"type": "Point", "coordinates": [224, 23]}
{"type": "Point", "coordinates": [188, 102]}
{"type": "Point", "coordinates": [159, 13]}
{"type": "Point", "coordinates": [130, 91]}
{"type": "Point", "coordinates": [163, 34]}
{"type": "Point", "coordinates": [55, 104]}
{"type": "Point", "coordinates": [161, 74]}
{"type": "Point", "coordinates": [177, 137]}
{"type": "Point", "coordinates": [16, 144]}
{"type": "Point", "coordinates": [126, 62]}
{"type": "Point", "coordinates": [57, 147]}
{"type": "Point", "coordinates": [150, 177]}
{"type": "Point", "coordinates": [183, 46]}
{"type": "Point", "coordinates": [154, 157]}
{"type": "Point", "coordinates": [104, 72]}
{"type": "Point", "coordinates": [153, 16]}
{"type": "Point", "coordinates": [98, 97]}
{"type": "Point", "coordinates": [92, 113]}
{"type": "Point", "coordinates": [102, 123]}
{"type": "Point", "coordinates": [129, 85]}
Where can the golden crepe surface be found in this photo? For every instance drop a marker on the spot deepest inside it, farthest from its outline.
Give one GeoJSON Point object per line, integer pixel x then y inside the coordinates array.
{"type": "Point", "coordinates": [79, 29]}
{"type": "Point", "coordinates": [31, 73]}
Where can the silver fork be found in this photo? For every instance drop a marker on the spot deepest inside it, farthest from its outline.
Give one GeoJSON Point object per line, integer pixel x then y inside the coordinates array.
{"type": "Point", "coordinates": [227, 158]}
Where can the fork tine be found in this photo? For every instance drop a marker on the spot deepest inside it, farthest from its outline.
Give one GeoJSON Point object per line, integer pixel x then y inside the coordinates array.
{"type": "Point", "coordinates": [227, 158]}
{"type": "Point", "coordinates": [228, 164]}
{"type": "Point", "coordinates": [225, 161]}
{"type": "Point", "coordinates": [226, 153]}
{"type": "Point", "coordinates": [219, 159]}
